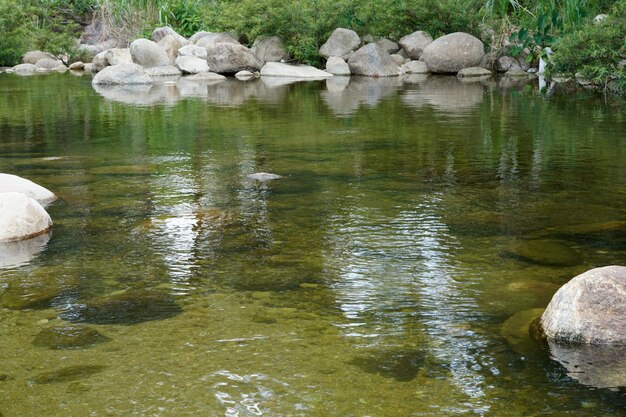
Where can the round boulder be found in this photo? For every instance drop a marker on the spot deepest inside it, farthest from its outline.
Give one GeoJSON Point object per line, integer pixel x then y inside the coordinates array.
{"type": "Point", "coordinates": [451, 53]}
{"type": "Point", "coordinates": [372, 61]}
{"type": "Point", "coordinates": [589, 309]}
{"type": "Point", "coordinates": [122, 74]}
{"type": "Point", "coordinates": [337, 66]}
{"type": "Point", "coordinates": [341, 43]}
{"type": "Point", "coordinates": [32, 57]}
{"type": "Point", "coordinates": [230, 58]}
{"type": "Point", "coordinates": [148, 54]}
{"type": "Point", "coordinates": [415, 43]}
{"type": "Point", "coordinates": [21, 217]}
{"type": "Point", "coordinates": [270, 49]}
{"type": "Point", "coordinates": [12, 183]}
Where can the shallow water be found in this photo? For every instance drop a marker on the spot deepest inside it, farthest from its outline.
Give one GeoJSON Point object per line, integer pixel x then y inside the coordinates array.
{"type": "Point", "coordinates": [388, 273]}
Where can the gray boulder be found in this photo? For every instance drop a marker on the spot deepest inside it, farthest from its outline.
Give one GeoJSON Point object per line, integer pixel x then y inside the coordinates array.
{"type": "Point", "coordinates": [170, 45]}
{"type": "Point", "coordinates": [48, 63]}
{"type": "Point", "coordinates": [21, 217]}
{"type": "Point", "coordinates": [507, 63]}
{"type": "Point", "coordinates": [13, 184]}
{"type": "Point", "coordinates": [124, 73]}
{"type": "Point", "coordinates": [230, 58]}
{"type": "Point", "coordinates": [192, 50]}
{"type": "Point", "coordinates": [33, 56]}
{"type": "Point", "coordinates": [192, 64]}
{"type": "Point", "coordinates": [398, 58]}
{"type": "Point", "coordinates": [148, 54]}
{"type": "Point", "coordinates": [111, 56]}
{"type": "Point", "coordinates": [451, 53]}
{"type": "Point", "coordinates": [415, 43]}
{"type": "Point", "coordinates": [371, 60]}
{"type": "Point", "coordinates": [414, 67]}
{"type": "Point", "coordinates": [159, 33]}
{"type": "Point", "coordinates": [77, 66]}
{"type": "Point", "coordinates": [23, 69]}
{"type": "Point", "coordinates": [337, 66]}
{"type": "Point", "coordinates": [211, 39]}
{"type": "Point", "coordinates": [270, 49]}
{"type": "Point", "coordinates": [387, 45]}
{"type": "Point", "coordinates": [589, 309]}
{"type": "Point", "coordinates": [341, 43]}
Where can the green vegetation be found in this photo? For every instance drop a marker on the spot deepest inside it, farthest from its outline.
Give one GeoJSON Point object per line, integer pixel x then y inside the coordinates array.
{"type": "Point", "coordinates": [305, 24]}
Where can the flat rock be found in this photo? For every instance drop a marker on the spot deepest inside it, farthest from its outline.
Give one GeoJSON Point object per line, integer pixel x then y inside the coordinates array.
{"type": "Point", "coordinates": [244, 75]}
{"type": "Point", "coordinates": [13, 183]}
{"type": "Point", "coordinates": [516, 73]}
{"type": "Point", "coordinates": [21, 217]}
{"type": "Point", "coordinates": [415, 43]}
{"type": "Point", "coordinates": [206, 77]}
{"type": "Point", "coordinates": [77, 66]}
{"type": "Point", "coordinates": [68, 336]}
{"type": "Point", "coordinates": [451, 53]}
{"type": "Point", "coordinates": [544, 252]}
{"type": "Point", "coordinates": [279, 69]}
{"type": "Point", "coordinates": [122, 74]}
{"type": "Point", "coordinates": [371, 60]}
{"type": "Point", "coordinates": [473, 72]}
{"type": "Point", "coordinates": [342, 42]}
{"type": "Point", "coordinates": [192, 64]}
{"type": "Point", "coordinates": [48, 63]}
{"type": "Point", "coordinates": [589, 309]}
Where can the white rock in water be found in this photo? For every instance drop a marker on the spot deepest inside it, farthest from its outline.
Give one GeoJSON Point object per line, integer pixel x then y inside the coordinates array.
{"type": "Point", "coordinates": [12, 183]}
{"type": "Point", "coordinates": [263, 176]}
{"type": "Point", "coordinates": [21, 217]}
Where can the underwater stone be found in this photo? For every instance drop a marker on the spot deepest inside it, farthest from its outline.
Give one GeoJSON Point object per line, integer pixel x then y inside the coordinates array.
{"type": "Point", "coordinates": [263, 176]}
{"type": "Point", "coordinates": [544, 252]}
{"type": "Point", "coordinates": [401, 365]}
{"type": "Point", "coordinates": [516, 330]}
{"type": "Point", "coordinates": [68, 337]}
{"type": "Point", "coordinates": [70, 373]}
{"type": "Point", "coordinates": [130, 307]}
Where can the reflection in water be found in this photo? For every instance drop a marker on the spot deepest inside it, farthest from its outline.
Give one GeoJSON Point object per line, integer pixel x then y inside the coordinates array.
{"type": "Point", "coordinates": [15, 254]}
{"type": "Point", "coordinates": [345, 95]}
{"type": "Point", "coordinates": [446, 94]}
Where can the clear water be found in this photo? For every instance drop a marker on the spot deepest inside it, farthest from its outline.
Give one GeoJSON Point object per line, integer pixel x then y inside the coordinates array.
{"type": "Point", "coordinates": [376, 278]}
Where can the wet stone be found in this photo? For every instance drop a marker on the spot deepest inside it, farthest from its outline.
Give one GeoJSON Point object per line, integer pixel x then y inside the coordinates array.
{"type": "Point", "coordinates": [67, 374]}
{"type": "Point", "coordinates": [68, 337]}
{"type": "Point", "coordinates": [516, 330]}
{"type": "Point", "coordinates": [544, 252]}
{"type": "Point", "coordinates": [401, 365]}
{"type": "Point", "coordinates": [20, 297]}
{"type": "Point", "coordinates": [130, 307]}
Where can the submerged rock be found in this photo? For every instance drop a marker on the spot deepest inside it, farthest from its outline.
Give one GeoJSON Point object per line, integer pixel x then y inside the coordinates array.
{"type": "Point", "coordinates": [263, 176]}
{"type": "Point", "coordinates": [67, 374]}
{"type": "Point", "coordinates": [401, 365]}
{"type": "Point", "coordinates": [589, 309]}
{"type": "Point", "coordinates": [130, 307]}
{"type": "Point", "coordinates": [516, 330]}
{"type": "Point", "coordinates": [68, 337]}
{"type": "Point", "coordinates": [544, 252]}
{"type": "Point", "coordinates": [13, 183]}
{"type": "Point", "coordinates": [21, 217]}
{"type": "Point", "coordinates": [37, 289]}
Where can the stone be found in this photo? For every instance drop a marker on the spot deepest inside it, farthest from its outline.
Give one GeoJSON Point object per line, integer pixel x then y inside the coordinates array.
{"type": "Point", "coordinates": [399, 59]}
{"type": "Point", "coordinates": [130, 307]}
{"type": "Point", "coordinates": [196, 36]}
{"type": "Point", "coordinates": [77, 66]}
{"type": "Point", "coordinates": [163, 71]}
{"type": "Point", "coordinates": [68, 336]}
{"type": "Point", "coordinates": [192, 64]}
{"type": "Point", "coordinates": [67, 374]}
{"type": "Point", "coordinates": [506, 63]}
{"type": "Point", "coordinates": [337, 66]}
{"type": "Point", "coordinates": [23, 69]}
{"type": "Point", "coordinates": [32, 57]}
{"type": "Point", "coordinates": [122, 74]}
{"type": "Point", "coordinates": [516, 73]}
{"type": "Point", "coordinates": [207, 77]}
{"type": "Point", "coordinates": [14, 183]}
{"type": "Point", "coordinates": [263, 176]}
{"type": "Point", "coordinates": [473, 72]}
{"type": "Point", "coordinates": [387, 45]}
{"type": "Point", "coordinates": [415, 43]}
{"type": "Point", "coordinates": [402, 365]}
{"type": "Point", "coordinates": [371, 60]}
{"type": "Point", "coordinates": [159, 34]}
{"type": "Point", "coordinates": [48, 63]}
{"type": "Point", "coordinates": [89, 67]}
{"type": "Point", "coordinates": [589, 309]}
{"type": "Point", "coordinates": [544, 252]}
{"type": "Point", "coordinates": [414, 67]}
{"type": "Point", "coordinates": [192, 50]}
{"type": "Point", "coordinates": [451, 53]}
{"type": "Point", "coordinates": [89, 50]}
{"type": "Point", "coordinates": [279, 69]}
{"type": "Point", "coordinates": [516, 330]}
{"type": "Point", "coordinates": [36, 289]}
{"type": "Point", "coordinates": [99, 62]}
{"type": "Point", "coordinates": [148, 54]}
{"type": "Point", "coordinates": [230, 58]}
{"type": "Point", "coordinates": [600, 18]}
{"type": "Point", "coordinates": [244, 75]}
{"type": "Point", "coordinates": [116, 56]}
{"type": "Point", "coordinates": [342, 42]}
{"type": "Point", "coordinates": [21, 217]}
{"type": "Point", "coordinates": [270, 49]}
{"type": "Point", "coordinates": [212, 39]}
{"type": "Point", "coordinates": [170, 45]}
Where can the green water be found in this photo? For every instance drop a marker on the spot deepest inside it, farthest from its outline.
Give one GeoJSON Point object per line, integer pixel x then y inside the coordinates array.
{"type": "Point", "coordinates": [376, 278]}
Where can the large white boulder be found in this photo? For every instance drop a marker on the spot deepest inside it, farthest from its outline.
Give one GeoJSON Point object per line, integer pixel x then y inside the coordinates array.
{"type": "Point", "coordinates": [279, 69]}
{"type": "Point", "coordinates": [192, 64]}
{"type": "Point", "coordinates": [451, 53]}
{"type": "Point", "coordinates": [371, 60]}
{"type": "Point", "coordinates": [415, 43]}
{"type": "Point", "coordinates": [589, 309]}
{"type": "Point", "coordinates": [341, 43]}
{"type": "Point", "coordinates": [12, 183]}
{"type": "Point", "coordinates": [337, 66]}
{"type": "Point", "coordinates": [148, 54]}
{"type": "Point", "coordinates": [121, 74]}
{"type": "Point", "coordinates": [21, 217]}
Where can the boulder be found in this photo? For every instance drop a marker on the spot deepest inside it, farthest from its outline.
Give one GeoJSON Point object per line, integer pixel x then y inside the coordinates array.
{"type": "Point", "coordinates": [337, 66]}
{"type": "Point", "coordinates": [148, 54]}
{"type": "Point", "coordinates": [21, 217]}
{"type": "Point", "coordinates": [229, 58]}
{"type": "Point", "coordinates": [270, 49]}
{"type": "Point", "coordinates": [77, 66]}
{"type": "Point", "coordinates": [23, 69]}
{"type": "Point", "coordinates": [159, 34]}
{"type": "Point", "coordinates": [116, 56]}
{"type": "Point", "coordinates": [414, 67]}
{"type": "Point", "coordinates": [205, 77]}
{"type": "Point", "coordinates": [279, 69]}
{"type": "Point", "coordinates": [122, 74]}
{"type": "Point", "coordinates": [341, 43]}
{"type": "Point", "coordinates": [14, 184]}
{"type": "Point", "coordinates": [196, 36]}
{"type": "Point", "coordinates": [451, 53]}
{"type": "Point", "coordinates": [516, 73]}
{"type": "Point", "coordinates": [68, 336]}
{"type": "Point", "coordinates": [170, 45]}
{"type": "Point", "coordinates": [164, 71]}
{"type": "Point", "coordinates": [244, 75]}
{"type": "Point", "coordinates": [192, 50]}
{"type": "Point", "coordinates": [211, 39]}
{"type": "Point", "coordinates": [507, 63]}
{"type": "Point", "coordinates": [399, 59]}
{"type": "Point", "coordinates": [33, 56]}
{"type": "Point", "coordinates": [387, 45]}
{"type": "Point", "coordinates": [99, 62]}
{"type": "Point", "coordinates": [473, 72]}
{"type": "Point", "coordinates": [415, 43]}
{"type": "Point", "coordinates": [192, 64]}
{"type": "Point", "coordinates": [371, 60]}
{"type": "Point", "coordinates": [48, 63]}
{"type": "Point", "coordinates": [589, 309]}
